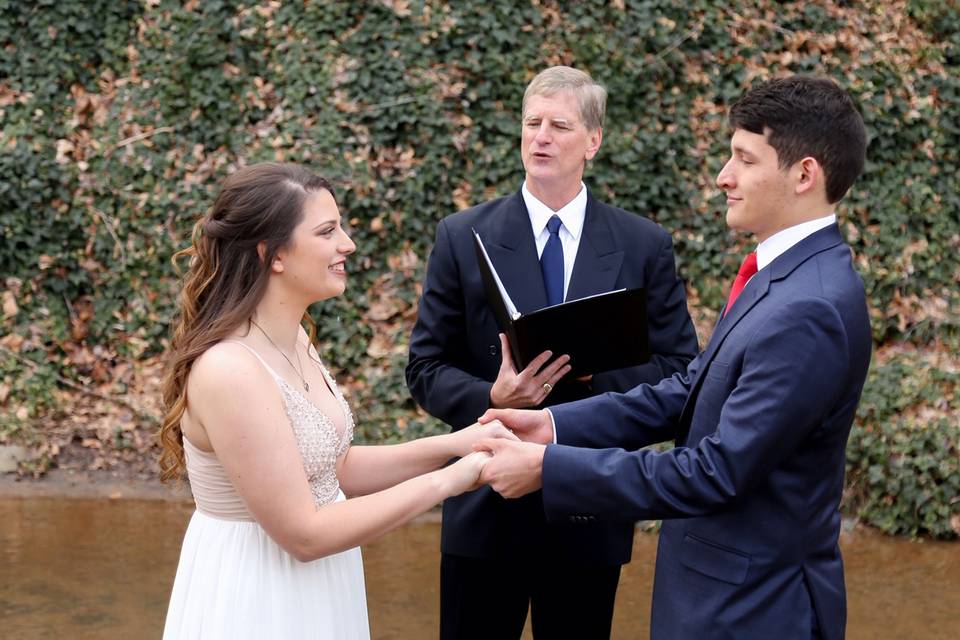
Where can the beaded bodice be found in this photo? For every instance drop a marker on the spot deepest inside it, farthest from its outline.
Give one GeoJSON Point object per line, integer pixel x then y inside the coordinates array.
{"type": "Point", "coordinates": [318, 440]}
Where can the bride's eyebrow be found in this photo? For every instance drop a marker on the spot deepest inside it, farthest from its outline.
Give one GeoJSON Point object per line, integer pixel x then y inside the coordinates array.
{"type": "Point", "coordinates": [331, 221]}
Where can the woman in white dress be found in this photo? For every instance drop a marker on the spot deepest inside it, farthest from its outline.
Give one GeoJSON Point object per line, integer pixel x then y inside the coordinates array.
{"type": "Point", "coordinates": [264, 434]}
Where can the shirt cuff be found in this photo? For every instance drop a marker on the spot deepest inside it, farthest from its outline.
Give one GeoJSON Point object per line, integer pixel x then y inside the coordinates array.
{"type": "Point", "coordinates": [553, 425]}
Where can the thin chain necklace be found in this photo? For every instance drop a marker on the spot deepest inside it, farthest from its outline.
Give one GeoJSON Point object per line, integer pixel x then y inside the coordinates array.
{"type": "Point", "coordinates": [297, 369]}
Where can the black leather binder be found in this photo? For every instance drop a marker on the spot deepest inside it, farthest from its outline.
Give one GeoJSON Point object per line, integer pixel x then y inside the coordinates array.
{"type": "Point", "coordinates": [600, 333]}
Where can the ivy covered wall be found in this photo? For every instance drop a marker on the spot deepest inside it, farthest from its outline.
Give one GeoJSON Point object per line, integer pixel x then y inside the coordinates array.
{"type": "Point", "coordinates": [120, 118]}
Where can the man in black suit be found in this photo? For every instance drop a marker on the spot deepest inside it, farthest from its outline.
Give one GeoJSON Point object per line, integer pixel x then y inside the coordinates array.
{"type": "Point", "coordinates": [551, 241]}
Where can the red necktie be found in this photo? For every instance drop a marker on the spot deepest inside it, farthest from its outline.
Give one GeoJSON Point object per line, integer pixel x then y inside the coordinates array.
{"type": "Point", "coordinates": [747, 269]}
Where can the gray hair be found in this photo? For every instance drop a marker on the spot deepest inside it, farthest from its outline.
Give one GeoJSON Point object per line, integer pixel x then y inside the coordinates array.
{"type": "Point", "coordinates": [591, 95]}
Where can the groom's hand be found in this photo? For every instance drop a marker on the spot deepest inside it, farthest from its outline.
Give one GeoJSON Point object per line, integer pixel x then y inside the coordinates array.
{"type": "Point", "coordinates": [515, 469]}
{"type": "Point", "coordinates": [530, 426]}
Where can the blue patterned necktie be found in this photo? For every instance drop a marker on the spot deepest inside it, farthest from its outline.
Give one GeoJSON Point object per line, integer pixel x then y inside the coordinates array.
{"type": "Point", "coordinates": [551, 263]}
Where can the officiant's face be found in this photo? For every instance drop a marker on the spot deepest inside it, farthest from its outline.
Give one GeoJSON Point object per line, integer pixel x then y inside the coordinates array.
{"type": "Point", "coordinates": [555, 144]}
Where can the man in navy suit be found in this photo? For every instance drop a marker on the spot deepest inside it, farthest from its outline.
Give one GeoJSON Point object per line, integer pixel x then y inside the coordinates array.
{"type": "Point", "coordinates": [550, 241]}
{"type": "Point", "coordinates": [750, 494]}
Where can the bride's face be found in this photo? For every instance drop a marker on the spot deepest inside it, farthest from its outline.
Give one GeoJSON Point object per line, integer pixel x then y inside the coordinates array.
{"type": "Point", "coordinates": [315, 261]}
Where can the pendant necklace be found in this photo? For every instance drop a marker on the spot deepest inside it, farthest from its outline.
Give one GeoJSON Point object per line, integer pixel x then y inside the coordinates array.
{"type": "Point", "coordinates": [298, 369]}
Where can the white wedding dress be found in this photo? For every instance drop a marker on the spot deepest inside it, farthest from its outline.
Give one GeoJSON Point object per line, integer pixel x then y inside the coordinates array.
{"type": "Point", "coordinates": [233, 581]}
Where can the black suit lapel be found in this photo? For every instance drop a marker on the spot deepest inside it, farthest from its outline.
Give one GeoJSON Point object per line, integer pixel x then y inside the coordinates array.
{"type": "Point", "coordinates": [598, 260]}
{"type": "Point", "coordinates": [513, 251]}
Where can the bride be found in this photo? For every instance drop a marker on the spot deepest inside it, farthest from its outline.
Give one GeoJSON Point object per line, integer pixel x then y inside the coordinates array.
{"type": "Point", "coordinates": [262, 431]}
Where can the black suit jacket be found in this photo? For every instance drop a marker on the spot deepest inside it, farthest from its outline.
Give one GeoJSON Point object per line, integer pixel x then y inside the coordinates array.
{"type": "Point", "coordinates": [455, 354]}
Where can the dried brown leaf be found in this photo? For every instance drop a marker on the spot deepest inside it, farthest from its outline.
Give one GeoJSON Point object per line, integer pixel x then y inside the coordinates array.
{"type": "Point", "coordinates": [10, 308]}
{"type": "Point", "coordinates": [12, 341]}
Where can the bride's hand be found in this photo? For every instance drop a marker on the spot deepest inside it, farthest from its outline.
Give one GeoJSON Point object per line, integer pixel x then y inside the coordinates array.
{"type": "Point", "coordinates": [462, 440]}
{"type": "Point", "coordinates": [464, 474]}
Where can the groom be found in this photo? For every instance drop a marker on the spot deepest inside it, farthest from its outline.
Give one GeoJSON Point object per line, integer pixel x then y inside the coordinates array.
{"type": "Point", "coordinates": [749, 496]}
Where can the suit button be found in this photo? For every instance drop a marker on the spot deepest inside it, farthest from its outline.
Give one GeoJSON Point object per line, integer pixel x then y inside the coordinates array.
{"type": "Point", "coordinates": [493, 349]}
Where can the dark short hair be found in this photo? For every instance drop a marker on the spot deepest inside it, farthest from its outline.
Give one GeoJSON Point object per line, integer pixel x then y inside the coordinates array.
{"type": "Point", "coordinates": [805, 116]}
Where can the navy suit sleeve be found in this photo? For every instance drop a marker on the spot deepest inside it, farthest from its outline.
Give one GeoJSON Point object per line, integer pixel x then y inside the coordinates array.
{"type": "Point", "coordinates": [438, 343]}
{"type": "Point", "coordinates": [644, 415]}
{"type": "Point", "coordinates": [673, 339]}
{"type": "Point", "coordinates": [789, 382]}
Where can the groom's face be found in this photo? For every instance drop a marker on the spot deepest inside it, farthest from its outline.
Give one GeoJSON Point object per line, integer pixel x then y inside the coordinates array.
{"type": "Point", "coordinates": [759, 192]}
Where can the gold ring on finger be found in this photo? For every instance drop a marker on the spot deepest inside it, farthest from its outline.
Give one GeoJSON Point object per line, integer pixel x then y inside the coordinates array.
{"type": "Point", "coordinates": [547, 387]}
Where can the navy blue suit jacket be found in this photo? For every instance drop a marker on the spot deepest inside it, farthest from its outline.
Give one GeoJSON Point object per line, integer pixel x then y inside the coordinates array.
{"type": "Point", "coordinates": [455, 354]}
{"type": "Point", "coordinates": [751, 493]}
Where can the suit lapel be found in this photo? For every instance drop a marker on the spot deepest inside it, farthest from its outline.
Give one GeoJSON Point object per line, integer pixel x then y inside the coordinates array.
{"type": "Point", "coordinates": [755, 291]}
{"type": "Point", "coordinates": [598, 260]}
{"type": "Point", "coordinates": [513, 251]}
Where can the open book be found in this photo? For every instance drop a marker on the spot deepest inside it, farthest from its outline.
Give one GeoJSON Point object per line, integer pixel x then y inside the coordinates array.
{"type": "Point", "coordinates": [600, 332]}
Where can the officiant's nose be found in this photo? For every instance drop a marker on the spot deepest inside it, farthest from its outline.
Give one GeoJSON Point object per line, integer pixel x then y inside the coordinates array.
{"type": "Point", "coordinates": [543, 135]}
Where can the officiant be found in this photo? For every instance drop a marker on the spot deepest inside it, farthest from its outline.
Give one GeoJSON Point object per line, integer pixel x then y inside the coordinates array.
{"type": "Point", "coordinates": [551, 241]}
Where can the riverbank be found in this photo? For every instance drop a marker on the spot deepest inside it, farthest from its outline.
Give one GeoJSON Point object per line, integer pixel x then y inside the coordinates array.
{"type": "Point", "coordinates": [113, 485]}
{"type": "Point", "coordinates": [125, 485]}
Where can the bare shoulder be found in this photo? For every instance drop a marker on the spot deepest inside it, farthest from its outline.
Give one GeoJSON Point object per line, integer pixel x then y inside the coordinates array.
{"type": "Point", "coordinates": [228, 369]}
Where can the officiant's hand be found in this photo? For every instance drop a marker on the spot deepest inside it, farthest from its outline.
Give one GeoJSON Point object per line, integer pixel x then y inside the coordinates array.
{"type": "Point", "coordinates": [461, 442]}
{"type": "Point", "coordinates": [531, 386]}
{"type": "Point", "coordinates": [515, 469]}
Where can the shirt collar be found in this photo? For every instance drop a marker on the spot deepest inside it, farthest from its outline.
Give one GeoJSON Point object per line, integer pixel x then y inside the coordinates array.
{"type": "Point", "coordinates": [571, 214]}
{"type": "Point", "coordinates": [777, 244]}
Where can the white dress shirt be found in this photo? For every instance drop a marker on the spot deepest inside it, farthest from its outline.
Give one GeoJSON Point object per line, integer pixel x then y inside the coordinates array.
{"type": "Point", "coordinates": [571, 216]}
{"type": "Point", "coordinates": [777, 244]}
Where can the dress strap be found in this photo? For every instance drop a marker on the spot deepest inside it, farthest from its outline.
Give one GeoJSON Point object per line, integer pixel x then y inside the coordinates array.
{"type": "Point", "coordinates": [258, 356]}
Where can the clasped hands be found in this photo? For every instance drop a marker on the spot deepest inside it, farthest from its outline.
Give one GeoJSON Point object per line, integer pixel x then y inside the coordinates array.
{"type": "Point", "coordinates": [514, 466]}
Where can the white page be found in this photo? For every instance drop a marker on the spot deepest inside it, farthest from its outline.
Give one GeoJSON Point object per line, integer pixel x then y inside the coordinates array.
{"type": "Point", "coordinates": [511, 308]}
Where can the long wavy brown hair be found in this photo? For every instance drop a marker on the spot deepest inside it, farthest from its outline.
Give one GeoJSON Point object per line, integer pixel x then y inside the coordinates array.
{"type": "Point", "coordinates": [227, 277]}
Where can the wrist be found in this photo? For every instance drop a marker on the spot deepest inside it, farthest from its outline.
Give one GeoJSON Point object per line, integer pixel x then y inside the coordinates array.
{"type": "Point", "coordinates": [494, 400]}
{"type": "Point", "coordinates": [549, 435]}
{"type": "Point", "coordinates": [455, 445]}
{"type": "Point", "coordinates": [440, 483]}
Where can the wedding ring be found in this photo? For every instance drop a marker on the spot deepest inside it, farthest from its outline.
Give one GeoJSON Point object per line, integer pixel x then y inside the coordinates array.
{"type": "Point", "coordinates": [547, 387]}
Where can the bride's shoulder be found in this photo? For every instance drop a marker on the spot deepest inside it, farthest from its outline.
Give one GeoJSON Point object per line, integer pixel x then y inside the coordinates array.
{"type": "Point", "coordinates": [227, 363]}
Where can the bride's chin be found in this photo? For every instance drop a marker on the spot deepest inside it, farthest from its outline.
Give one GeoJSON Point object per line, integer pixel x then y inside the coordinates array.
{"type": "Point", "coordinates": [334, 293]}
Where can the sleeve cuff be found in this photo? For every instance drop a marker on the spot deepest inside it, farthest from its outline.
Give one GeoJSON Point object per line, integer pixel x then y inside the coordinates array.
{"type": "Point", "coordinates": [553, 425]}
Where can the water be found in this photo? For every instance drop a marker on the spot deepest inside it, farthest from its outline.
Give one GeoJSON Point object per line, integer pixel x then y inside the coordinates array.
{"type": "Point", "coordinates": [92, 569]}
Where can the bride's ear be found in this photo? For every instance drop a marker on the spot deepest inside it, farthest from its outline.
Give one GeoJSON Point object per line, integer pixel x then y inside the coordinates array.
{"type": "Point", "coordinates": [277, 265]}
